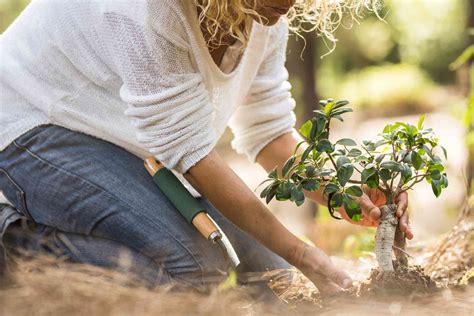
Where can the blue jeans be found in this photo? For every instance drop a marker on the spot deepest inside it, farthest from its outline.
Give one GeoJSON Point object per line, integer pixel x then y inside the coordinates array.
{"type": "Point", "coordinates": [91, 201]}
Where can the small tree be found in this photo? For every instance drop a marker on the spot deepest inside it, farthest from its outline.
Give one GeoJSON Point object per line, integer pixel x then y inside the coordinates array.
{"type": "Point", "coordinates": [404, 156]}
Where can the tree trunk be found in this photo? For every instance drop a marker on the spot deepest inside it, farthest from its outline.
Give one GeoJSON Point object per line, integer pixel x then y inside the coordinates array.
{"type": "Point", "coordinates": [400, 243]}
{"type": "Point", "coordinates": [388, 234]}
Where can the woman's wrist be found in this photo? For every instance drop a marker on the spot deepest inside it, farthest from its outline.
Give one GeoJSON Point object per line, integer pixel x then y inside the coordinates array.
{"type": "Point", "coordinates": [299, 252]}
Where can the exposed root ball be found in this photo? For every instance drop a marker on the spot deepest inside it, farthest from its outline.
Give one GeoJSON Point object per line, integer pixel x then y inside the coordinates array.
{"type": "Point", "coordinates": [406, 281]}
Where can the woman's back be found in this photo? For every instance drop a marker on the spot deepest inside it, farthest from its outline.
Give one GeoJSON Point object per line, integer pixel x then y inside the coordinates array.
{"type": "Point", "coordinates": [137, 74]}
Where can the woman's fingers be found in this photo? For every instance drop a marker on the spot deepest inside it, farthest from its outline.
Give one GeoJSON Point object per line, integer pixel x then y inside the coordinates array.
{"type": "Point", "coordinates": [402, 214]}
{"type": "Point", "coordinates": [402, 203]}
{"type": "Point", "coordinates": [369, 209]}
{"type": "Point", "coordinates": [318, 267]}
{"type": "Point", "coordinates": [325, 285]}
{"type": "Point", "coordinates": [405, 225]}
{"type": "Point", "coordinates": [338, 276]}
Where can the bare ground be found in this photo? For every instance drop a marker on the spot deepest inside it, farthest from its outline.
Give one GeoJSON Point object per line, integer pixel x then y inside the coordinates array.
{"type": "Point", "coordinates": [46, 286]}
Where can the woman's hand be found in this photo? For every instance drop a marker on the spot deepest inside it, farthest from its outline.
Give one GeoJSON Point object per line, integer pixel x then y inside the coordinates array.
{"type": "Point", "coordinates": [370, 202]}
{"type": "Point", "coordinates": [317, 267]}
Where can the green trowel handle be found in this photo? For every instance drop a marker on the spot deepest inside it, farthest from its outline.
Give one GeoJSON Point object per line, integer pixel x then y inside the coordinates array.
{"type": "Point", "coordinates": [179, 196]}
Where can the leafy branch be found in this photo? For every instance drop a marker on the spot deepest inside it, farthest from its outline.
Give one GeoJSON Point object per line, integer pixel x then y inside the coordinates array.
{"type": "Point", "coordinates": [403, 156]}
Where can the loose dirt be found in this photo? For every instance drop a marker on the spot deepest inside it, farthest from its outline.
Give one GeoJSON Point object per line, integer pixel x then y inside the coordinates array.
{"type": "Point", "coordinates": [405, 281]}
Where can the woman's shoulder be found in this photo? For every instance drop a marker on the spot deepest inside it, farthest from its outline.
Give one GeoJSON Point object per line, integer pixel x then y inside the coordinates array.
{"type": "Point", "coordinates": [279, 32]}
{"type": "Point", "coordinates": [169, 16]}
{"type": "Point", "coordinates": [165, 18]}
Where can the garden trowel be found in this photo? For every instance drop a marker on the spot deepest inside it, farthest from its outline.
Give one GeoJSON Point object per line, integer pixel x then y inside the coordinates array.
{"type": "Point", "coordinates": [190, 208]}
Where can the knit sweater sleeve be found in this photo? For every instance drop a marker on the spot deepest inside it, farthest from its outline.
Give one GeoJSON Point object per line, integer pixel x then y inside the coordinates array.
{"type": "Point", "coordinates": [168, 103]}
{"type": "Point", "coordinates": [268, 110]}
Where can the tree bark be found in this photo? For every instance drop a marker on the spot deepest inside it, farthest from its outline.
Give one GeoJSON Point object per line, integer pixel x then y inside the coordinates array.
{"type": "Point", "coordinates": [400, 243]}
{"type": "Point", "coordinates": [388, 234]}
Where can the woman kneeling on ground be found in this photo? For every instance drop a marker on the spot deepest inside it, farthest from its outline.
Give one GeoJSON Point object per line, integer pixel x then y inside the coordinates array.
{"type": "Point", "coordinates": [91, 88]}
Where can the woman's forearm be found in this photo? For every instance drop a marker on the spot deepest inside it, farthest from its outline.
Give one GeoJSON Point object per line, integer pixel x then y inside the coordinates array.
{"type": "Point", "coordinates": [216, 181]}
{"type": "Point", "coordinates": [278, 151]}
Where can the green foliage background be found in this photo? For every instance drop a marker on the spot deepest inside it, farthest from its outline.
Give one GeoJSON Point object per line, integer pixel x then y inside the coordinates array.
{"type": "Point", "coordinates": [9, 10]}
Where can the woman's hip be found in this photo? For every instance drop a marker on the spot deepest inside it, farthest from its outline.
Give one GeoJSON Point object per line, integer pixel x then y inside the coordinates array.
{"type": "Point", "coordinates": [70, 180]}
{"type": "Point", "coordinates": [81, 184]}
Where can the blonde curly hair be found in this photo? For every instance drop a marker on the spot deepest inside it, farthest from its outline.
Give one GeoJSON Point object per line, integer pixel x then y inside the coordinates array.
{"type": "Point", "coordinates": [223, 20]}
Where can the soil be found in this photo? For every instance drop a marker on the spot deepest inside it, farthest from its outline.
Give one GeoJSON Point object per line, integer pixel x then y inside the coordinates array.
{"type": "Point", "coordinates": [405, 281]}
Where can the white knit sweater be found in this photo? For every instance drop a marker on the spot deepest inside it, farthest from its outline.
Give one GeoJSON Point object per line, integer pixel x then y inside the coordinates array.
{"type": "Point", "coordinates": [138, 74]}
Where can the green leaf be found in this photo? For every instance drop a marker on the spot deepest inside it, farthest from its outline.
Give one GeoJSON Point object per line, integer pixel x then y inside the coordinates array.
{"type": "Point", "coordinates": [340, 152]}
{"type": "Point", "coordinates": [436, 166]}
{"type": "Point", "coordinates": [342, 160]}
{"type": "Point", "coordinates": [298, 146]}
{"type": "Point", "coordinates": [272, 185]}
{"type": "Point", "coordinates": [370, 177]}
{"type": "Point", "coordinates": [297, 196]}
{"type": "Point", "coordinates": [385, 174]}
{"type": "Point", "coordinates": [366, 174]}
{"type": "Point", "coordinates": [311, 184]}
{"type": "Point", "coordinates": [341, 103]}
{"type": "Point", "coordinates": [350, 206]}
{"type": "Point", "coordinates": [354, 191]}
{"type": "Point", "coordinates": [428, 151]}
{"type": "Point", "coordinates": [369, 145]}
{"type": "Point", "coordinates": [436, 187]}
{"type": "Point", "coordinates": [388, 129]}
{"type": "Point", "coordinates": [336, 200]}
{"type": "Point", "coordinates": [310, 171]}
{"type": "Point", "coordinates": [328, 107]}
{"type": "Point", "coordinates": [420, 121]}
{"type": "Point", "coordinates": [411, 129]}
{"type": "Point", "coordinates": [445, 152]}
{"type": "Point", "coordinates": [271, 192]}
{"type": "Point", "coordinates": [319, 122]}
{"type": "Point", "coordinates": [444, 181]}
{"type": "Point", "coordinates": [416, 160]}
{"type": "Point", "coordinates": [287, 166]}
{"type": "Point", "coordinates": [346, 142]}
{"type": "Point", "coordinates": [273, 174]}
{"type": "Point", "coordinates": [406, 173]}
{"type": "Point", "coordinates": [373, 181]}
{"type": "Point", "coordinates": [324, 145]}
{"type": "Point", "coordinates": [341, 111]}
{"type": "Point", "coordinates": [283, 192]}
{"type": "Point", "coordinates": [354, 152]}
{"type": "Point", "coordinates": [344, 173]}
{"type": "Point", "coordinates": [324, 135]}
{"type": "Point", "coordinates": [391, 165]}
{"type": "Point", "coordinates": [331, 188]}
{"type": "Point", "coordinates": [306, 152]}
{"type": "Point", "coordinates": [305, 129]}
{"type": "Point", "coordinates": [435, 175]}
